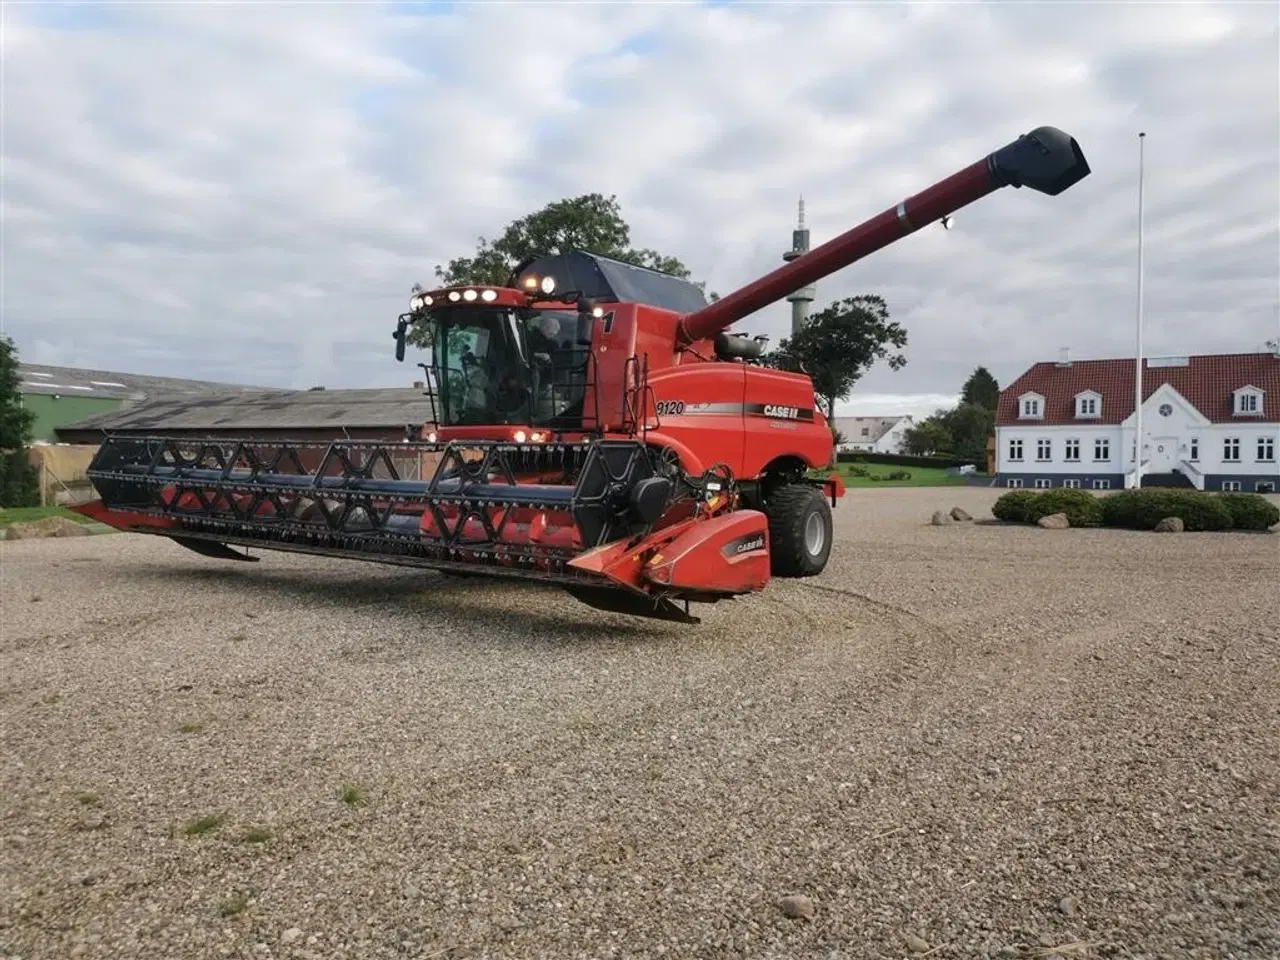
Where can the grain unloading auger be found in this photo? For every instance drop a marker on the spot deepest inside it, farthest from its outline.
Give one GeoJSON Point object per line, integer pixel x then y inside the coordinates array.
{"type": "Point", "coordinates": [596, 427]}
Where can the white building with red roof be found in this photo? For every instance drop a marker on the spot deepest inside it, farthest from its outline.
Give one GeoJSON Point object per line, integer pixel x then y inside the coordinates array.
{"type": "Point", "coordinates": [1211, 422]}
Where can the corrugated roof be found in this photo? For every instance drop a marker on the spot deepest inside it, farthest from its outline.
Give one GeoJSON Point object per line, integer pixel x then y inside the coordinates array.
{"type": "Point", "coordinates": [270, 409]}
{"type": "Point", "coordinates": [76, 381]}
{"type": "Point", "coordinates": [1207, 381]}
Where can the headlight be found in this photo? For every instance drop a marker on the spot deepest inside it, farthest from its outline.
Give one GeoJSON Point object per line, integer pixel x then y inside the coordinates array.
{"type": "Point", "coordinates": [519, 436]}
{"type": "Point", "coordinates": [468, 295]}
{"type": "Point", "coordinates": [417, 303]}
{"type": "Point", "coordinates": [488, 296]}
{"type": "Point", "coordinates": [455, 296]}
{"type": "Point", "coordinates": [548, 284]}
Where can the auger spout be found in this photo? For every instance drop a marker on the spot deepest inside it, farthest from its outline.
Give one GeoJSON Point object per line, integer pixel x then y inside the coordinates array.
{"type": "Point", "coordinates": [1046, 160]}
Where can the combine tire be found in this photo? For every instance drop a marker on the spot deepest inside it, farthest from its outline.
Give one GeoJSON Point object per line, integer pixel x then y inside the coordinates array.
{"type": "Point", "coordinates": [799, 530]}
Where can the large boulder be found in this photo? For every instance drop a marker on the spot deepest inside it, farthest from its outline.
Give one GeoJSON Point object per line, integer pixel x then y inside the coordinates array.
{"type": "Point", "coordinates": [960, 514]}
{"type": "Point", "coordinates": [940, 518]}
{"type": "Point", "coordinates": [1054, 521]}
{"type": "Point", "coordinates": [1170, 525]}
{"type": "Point", "coordinates": [46, 527]}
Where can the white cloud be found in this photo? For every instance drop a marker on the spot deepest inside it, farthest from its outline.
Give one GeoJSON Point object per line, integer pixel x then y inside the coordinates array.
{"type": "Point", "coordinates": [248, 193]}
{"type": "Point", "coordinates": [918, 405]}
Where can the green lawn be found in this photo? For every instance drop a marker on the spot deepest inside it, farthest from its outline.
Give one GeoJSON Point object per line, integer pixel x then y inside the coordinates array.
{"type": "Point", "coordinates": [10, 515]}
{"type": "Point", "coordinates": [920, 476]}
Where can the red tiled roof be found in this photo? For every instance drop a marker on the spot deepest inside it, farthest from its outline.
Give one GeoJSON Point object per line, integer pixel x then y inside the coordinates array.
{"type": "Point", "coordinates": [1207, 382]}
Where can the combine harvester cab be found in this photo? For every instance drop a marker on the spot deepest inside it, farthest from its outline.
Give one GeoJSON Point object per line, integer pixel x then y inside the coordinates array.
{"type": "Point", "coordinates": [597, 427]}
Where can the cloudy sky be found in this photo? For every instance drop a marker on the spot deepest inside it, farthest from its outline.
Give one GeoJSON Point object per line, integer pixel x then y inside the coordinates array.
{"type": "Point", "coordinates": [247, 192]}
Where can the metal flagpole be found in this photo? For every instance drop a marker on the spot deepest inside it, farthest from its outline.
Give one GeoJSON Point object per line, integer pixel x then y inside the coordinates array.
{"type": "Point", "coordinates": [1137, 363]}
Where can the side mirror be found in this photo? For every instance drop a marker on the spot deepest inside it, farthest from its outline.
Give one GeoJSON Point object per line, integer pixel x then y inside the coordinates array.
{"type": "Point", "coordinates": [401, 326]}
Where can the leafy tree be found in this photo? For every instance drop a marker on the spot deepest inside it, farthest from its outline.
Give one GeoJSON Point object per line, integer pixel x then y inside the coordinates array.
{"type": "Point", "coordinates": [928, 437]}
{"type": "Point", "coordinates": [19, 484]}
{"type": "Point", "coordinates": [968, 425]}
{"type": "Point", "coordinates": [962, 431]}
{"type": "Point", "coordinates": [840, 343]}
{"type": "Point", "coordinates": [981, 389]}
{"type": "Point", "coordinates": [590, 222]}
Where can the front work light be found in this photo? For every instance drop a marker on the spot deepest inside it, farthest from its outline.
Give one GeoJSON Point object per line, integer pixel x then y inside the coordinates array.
{"type": "Point", "coordinates": [488, 296]}
{"type": "Point", "coordinates": [548, 284]}
{"type": "Point", "coordinates": [468, 295]}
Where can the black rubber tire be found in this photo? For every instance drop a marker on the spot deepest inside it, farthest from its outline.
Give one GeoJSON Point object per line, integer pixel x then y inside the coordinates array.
{"type": "Point", "coordinates": [789, 508]}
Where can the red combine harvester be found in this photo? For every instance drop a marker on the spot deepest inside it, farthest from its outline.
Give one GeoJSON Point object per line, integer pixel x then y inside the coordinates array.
{"type": "Point", "coordinates": [597, 427]}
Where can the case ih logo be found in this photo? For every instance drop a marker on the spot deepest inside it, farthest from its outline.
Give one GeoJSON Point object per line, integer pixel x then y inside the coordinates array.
{"type": "Point", "coordinates": [776, 411]}
{"type": "Point", "coordinates": [752, 541]}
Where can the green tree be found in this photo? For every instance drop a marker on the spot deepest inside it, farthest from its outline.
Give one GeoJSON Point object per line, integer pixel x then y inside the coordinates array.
{"type": "Point", "coordinates": [981, 389]}
{"type": "Point", "coordinates": [19, 484]}
{"type": "Point", "coordinates": [962, 431]}
{"type": "Point", "coordinates": [928, 437]}
{"type": "Point", "coordinates": [590, 222]}
{"type": "Point", "coordinates": [968, 425]}
{"type": "Point", "coordinates": [840, 343]}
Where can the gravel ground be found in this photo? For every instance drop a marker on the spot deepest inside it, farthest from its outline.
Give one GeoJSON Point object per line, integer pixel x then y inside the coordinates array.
{"type": "Point", "coordinates": [960, 741]}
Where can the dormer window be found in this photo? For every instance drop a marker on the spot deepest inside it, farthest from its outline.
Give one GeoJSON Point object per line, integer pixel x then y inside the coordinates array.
{"type": "Point", "coordinates": [1031, 406]}
{"type": "Point", "coordinates": [1088, 404]}
{"type": "Point", "coordinates": [1248, 402]}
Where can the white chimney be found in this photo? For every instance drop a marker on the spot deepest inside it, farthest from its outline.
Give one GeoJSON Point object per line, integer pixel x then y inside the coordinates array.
{"type": "Point", "coordinates": [1064, 356]}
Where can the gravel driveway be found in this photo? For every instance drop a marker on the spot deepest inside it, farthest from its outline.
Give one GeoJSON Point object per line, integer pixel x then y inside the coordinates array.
{"type": "Point", "coordinates": [960, 741]}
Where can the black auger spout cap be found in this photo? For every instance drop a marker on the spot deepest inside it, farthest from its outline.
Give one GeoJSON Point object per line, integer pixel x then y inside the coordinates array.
{"type": "Point", "coordinates": [1046, 159]}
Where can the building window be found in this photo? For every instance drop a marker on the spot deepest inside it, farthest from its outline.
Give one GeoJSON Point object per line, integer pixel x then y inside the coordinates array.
{"type": "Point", "coordinates": [1043, 484]}
{"type": "Point", "coordinates": [1013, 482]}
{"type": "Point", "coordinates": [1248, 401]}
{"type": "Point", "coordinates": [1195, 449]}
{"type": "Point", "coordinates": [1265, 486]}
{"type": "Point", "coordinates": [1102, 449]}
{"type": "Point", "coordinates": [1072, 484]}
{"type": "Point", "coordinates": [1086, 406]}
{"type": "Point", "coordinates": [1266, 449]}
{"type": "Point", "coordinates": [1031, 406]}
{"type": "Point", "coordinates": [1073, 450]}
{"type": "Point", "coordinates": [1044, 449]}
{"type": "Point", "coordinates": [1166, 410]}
{"type": "Point", "coordinates": [866, 431]}
{"type": "Point", "coordinates": [1102, 484]}
{"type": "Point", "coordinates": [1015, 449]}
{"type": "Point", "coordinates": [1231, 485]}
{"type": "Point", "coordinates": [1231, 449]}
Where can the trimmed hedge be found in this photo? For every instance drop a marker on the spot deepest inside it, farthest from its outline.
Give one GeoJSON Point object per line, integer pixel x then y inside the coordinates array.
{"type": "Point", "coordinates": [1251, 511]}
{"type": "Point", "coordinates": [1142, 509]}
{"type": "Point", "coordinates": [900, 460]}
{"type": "Point", "coordinates": [1083, 509]}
